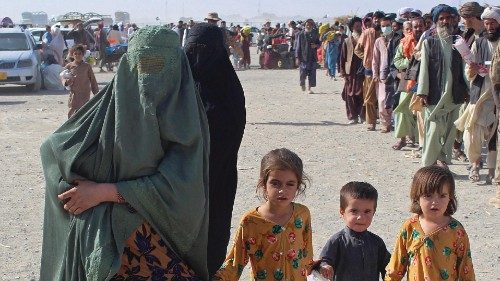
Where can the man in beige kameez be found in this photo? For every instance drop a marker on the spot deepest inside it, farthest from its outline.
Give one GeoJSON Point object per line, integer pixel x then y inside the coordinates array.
{"type": "Point", "coordinates": [494, 12]}
{"type": "Point", "coordinates": [364, 50]}
{"type": "Point", "coordinates": [478, 121]}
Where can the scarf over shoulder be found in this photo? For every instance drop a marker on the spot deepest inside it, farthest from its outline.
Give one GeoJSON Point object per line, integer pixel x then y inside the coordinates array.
{"type": "Point", "coordinates": [146, 131]}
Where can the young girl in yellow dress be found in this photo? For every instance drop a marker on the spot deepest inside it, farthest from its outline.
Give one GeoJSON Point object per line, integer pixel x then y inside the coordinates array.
{"type": "Point", "coordinates": [432, 245]}
{"type": "Point", "coordinates": [275, 237]}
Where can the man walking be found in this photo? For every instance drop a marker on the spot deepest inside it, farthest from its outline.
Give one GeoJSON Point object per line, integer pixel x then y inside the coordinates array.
{"type": "Point", "coordinates": [307, 43]}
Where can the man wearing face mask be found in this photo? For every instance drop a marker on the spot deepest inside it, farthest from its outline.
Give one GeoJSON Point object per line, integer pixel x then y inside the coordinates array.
{"type": "Point", "coordinates": [478, 120]}
{"type": "Point", "coordinates": [441, 88]}
{"type": "Point", "coordinates": [307, 43]}
{"type": "Point", "coordinates": [364, 50]}
{"type": "Point", "coordinates": [379, 63]}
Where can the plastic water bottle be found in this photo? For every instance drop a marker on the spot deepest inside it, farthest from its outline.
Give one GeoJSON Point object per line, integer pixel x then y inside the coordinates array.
{"type": "Point", "coordinates": [316, 276]}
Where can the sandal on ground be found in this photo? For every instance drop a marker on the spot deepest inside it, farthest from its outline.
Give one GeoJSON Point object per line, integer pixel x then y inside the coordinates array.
{"type": "Point", "coordinates": [459, 155]}
{"type": "Point", "coordinates": [489, 179]}
{"type": "Point", "coordinates": [399, 144]}
{"type": "Point", "coordinates": [474, 175]}
{"type": "Point", "coordinates": [371, 127]}
{"type": "Point", "coordinates": [410, 142]}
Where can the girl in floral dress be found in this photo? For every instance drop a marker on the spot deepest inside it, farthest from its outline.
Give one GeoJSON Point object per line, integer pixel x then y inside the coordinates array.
{"type": "Point", "coordinates": [275, 237]}
{"type": "Point", "coordinates": [432, 245]}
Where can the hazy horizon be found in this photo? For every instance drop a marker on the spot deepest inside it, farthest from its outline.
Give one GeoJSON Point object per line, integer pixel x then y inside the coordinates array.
{"type": "Point", "coordinates": [171, 11]}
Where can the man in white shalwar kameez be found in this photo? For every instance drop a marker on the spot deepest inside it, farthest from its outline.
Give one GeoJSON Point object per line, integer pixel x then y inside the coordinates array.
{"type": "Point", "coordinates": [479, 122]}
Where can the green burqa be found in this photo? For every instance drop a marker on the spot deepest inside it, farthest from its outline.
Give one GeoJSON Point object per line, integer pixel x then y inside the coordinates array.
{"type": "Point", "coordinates": [147, 132]}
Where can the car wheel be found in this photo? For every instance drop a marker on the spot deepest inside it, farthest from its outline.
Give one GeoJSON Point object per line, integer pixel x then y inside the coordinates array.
{"type": "Point", "coordinates": [35, 87]}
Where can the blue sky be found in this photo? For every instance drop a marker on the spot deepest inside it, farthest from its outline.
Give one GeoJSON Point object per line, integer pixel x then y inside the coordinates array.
{"type": "Point", "coordinates": [172, 10]}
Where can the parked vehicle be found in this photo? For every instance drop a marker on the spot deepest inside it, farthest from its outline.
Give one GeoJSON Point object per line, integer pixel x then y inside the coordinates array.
{"type": "Point", "coordinates": [19, 59]}
{"type": "Point", "coordinates": [38, 34]}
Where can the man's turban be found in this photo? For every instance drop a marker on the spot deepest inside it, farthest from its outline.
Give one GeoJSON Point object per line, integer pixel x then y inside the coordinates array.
{"type": "Point", "coordinates": [491, 13]}
{"type": "Point", "coordinates": [442, 8]}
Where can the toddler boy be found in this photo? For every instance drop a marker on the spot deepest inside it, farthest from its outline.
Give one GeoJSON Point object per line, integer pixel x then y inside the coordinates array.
{"type": "Point", "coordinates": [355, 253]}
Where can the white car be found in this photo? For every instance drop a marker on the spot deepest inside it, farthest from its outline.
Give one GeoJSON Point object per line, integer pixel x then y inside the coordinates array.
{"type": "Point", "coordinates": [19, 59]}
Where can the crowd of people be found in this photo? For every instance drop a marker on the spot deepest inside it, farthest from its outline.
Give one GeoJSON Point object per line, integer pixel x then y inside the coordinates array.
{"type": "Point", "coordinates": [159, 206]}
{"type": "Point", "coordinates": [428, 83]}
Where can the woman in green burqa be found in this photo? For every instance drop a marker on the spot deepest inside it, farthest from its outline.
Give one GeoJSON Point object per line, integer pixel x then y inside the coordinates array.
{"type": "Point", "coordinates": [126, 176]}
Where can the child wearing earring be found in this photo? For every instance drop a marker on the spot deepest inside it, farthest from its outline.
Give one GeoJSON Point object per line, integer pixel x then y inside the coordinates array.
{"type": "Point", "coordinates": [275, 237]}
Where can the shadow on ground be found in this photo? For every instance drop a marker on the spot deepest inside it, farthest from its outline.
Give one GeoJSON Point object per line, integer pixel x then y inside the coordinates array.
{"type": "Point", "coordinates": [301, 124]}
{"type": "Point", "coordinates": [16, 91]}
{"type": "Point", "coordinates": [11, 102]}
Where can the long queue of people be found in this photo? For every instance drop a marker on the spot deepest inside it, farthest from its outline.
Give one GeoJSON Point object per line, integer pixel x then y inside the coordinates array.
{"type": "Point", "coordinates": [433, 85]}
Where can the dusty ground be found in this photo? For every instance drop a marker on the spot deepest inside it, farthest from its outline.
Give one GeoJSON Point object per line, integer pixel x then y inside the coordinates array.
{"type": "Point", "coordinates": [279, 115]}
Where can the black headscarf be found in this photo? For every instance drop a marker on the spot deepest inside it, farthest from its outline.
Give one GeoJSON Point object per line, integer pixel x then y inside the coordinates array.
{"type": "Point", "coordinates": [218, 84]}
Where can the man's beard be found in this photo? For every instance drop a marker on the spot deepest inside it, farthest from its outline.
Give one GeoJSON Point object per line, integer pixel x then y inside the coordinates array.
{"type": "Point", "coordinates": [492, 37]}
{"type": "Point", "coordinates": [307, 29]}
{"type": "Point", "coordinates": [444, 32]}
{"type": "Point", "coordinates": [356, 35]}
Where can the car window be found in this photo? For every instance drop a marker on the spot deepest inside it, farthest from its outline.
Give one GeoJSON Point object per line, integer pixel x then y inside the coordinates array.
{"type": "Point", "coordinates": [13, 42]}
{"type": "Point", "coordinates": [38, 34]}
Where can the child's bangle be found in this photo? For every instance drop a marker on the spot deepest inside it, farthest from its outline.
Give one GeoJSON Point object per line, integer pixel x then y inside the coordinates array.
{"type": "Point", "coordinates": [119, 198]}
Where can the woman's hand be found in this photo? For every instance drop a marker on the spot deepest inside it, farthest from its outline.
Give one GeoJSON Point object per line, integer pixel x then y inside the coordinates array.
{"type": "Point", "coordinates": [87, 194]}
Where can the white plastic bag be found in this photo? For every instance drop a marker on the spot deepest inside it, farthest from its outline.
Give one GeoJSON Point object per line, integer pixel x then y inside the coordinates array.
{"type": "Point", "coordinates": [66, 74]}
{"type": "Point", "coordinates": [316, 276]}
{"type": "Point", "coordinates": [463, 48]}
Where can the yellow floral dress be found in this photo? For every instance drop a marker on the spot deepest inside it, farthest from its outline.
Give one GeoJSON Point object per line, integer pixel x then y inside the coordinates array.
{"type": "Point", "coordinates": [276, 252]}
{"type": "Point", "coordinates": [441, 255]}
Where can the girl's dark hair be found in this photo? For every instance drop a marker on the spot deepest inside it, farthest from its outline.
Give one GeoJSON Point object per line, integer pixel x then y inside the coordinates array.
{"type": "Point", "coordinates": [281, 159]}
{"type": "Point", "coordinates": [428, 180]}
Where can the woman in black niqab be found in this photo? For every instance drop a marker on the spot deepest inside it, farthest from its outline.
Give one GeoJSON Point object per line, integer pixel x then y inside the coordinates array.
{"type": "Point", "coordinates": [224, 101]}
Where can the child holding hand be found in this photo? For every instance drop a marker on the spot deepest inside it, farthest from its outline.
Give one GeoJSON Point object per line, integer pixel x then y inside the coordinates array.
{"type": "Point", "coordinates": [355, 253]}
{"type": "Point", "coordinates": [275, 237]}
{"type": "Point", "coordinates": [432, 245]}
